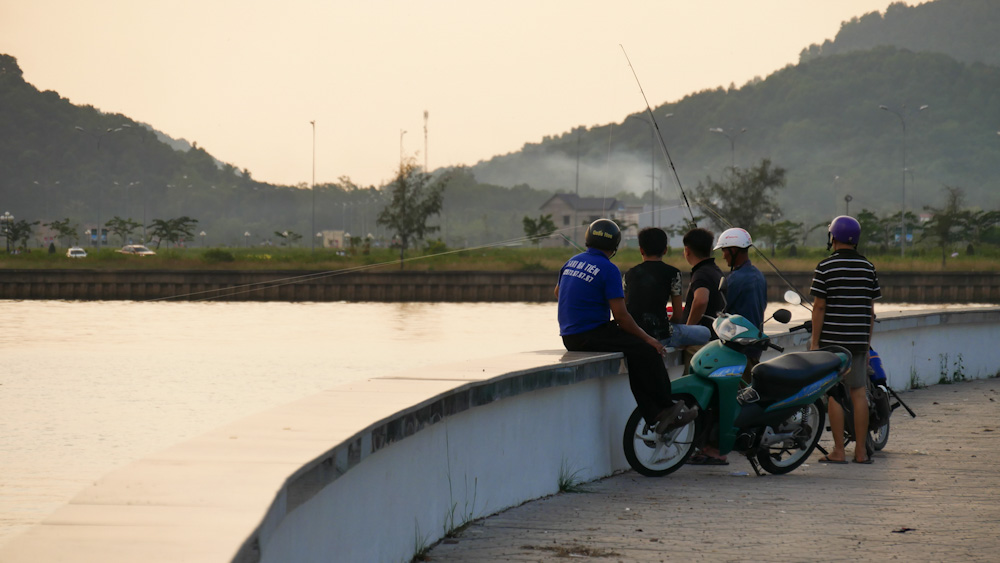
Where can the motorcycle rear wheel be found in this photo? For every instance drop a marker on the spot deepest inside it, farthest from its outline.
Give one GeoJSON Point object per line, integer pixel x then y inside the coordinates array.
{"type": "Point", "coordinates": [880, 436]}
{"type": "Point", "coordinates": [785, 456]}
{"type": "Point", "coordinates": [656, 455]}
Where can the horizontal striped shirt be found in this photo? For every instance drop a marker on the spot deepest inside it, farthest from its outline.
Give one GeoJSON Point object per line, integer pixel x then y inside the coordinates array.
{"type": "Point", "coordinates": [849, 284]}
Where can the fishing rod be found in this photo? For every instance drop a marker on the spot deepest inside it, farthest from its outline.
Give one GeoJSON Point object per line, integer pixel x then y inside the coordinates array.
{"type": "Point", "coordinates": [720, 218]}
{"type": "Point", "coordinates": [666, 154]}
{"type": "Point", "coordinates": [663, 144]}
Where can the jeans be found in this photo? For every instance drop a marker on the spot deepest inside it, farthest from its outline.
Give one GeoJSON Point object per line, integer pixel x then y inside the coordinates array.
{"type": "Point", "coordinates": [687, 335]}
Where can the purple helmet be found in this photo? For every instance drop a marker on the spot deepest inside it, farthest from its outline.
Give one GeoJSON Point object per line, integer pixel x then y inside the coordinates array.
{"type": "Point", "coordinates": [844, 229]}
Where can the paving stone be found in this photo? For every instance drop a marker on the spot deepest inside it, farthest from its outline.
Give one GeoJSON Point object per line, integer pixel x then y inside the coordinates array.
{"type": "Point", "coordinates": [933, 494]}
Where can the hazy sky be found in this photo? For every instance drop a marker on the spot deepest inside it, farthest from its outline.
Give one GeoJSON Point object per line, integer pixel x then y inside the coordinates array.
{"type": "Point", "coordinates": [243, 78]}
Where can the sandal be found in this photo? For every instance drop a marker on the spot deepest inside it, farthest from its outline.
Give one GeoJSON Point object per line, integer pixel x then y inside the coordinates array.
{"type": "Point", "coordinates": [702, 459]}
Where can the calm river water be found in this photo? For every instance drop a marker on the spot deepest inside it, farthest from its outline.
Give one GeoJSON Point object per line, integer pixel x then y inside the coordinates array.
{"type": "Point", "coordinates": [86, 387]}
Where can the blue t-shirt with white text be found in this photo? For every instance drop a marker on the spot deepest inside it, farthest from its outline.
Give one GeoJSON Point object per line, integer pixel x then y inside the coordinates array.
{"type": "Point", "coordinates": [587, 283]}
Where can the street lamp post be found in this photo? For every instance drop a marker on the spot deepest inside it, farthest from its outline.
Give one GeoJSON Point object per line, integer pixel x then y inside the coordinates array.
{"type": "Point", "coordinates": [732, 142]}
{"type": "Point", "coordinates": [902, 212]}
{"type": "Point", "coordinates": [313, 123]}
{"type": "Point", "coordinates": [246, 239]}
{"type": "Point", "coordinates": [847, 204]}
{"type": "Point", "coordinates": [202, 235]}
{"type": "Point", "coordinates": [6, 222]}
{"type": "Point", "coordinates": [652, 162]}
{"type": "Point", "coordinates": [99, 136]}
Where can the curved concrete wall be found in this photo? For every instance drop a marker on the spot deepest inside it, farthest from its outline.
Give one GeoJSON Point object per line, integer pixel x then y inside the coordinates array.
{"type": "Point", "coordinates": [484, 460]}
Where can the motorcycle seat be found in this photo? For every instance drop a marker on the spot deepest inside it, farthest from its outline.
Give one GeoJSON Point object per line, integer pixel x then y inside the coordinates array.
{"type": "Point", "coordinates": [792, 371]}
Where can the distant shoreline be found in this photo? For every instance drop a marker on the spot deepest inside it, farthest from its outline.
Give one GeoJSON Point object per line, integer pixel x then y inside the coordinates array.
{"type": "Point", "coordinates": [412, 286]}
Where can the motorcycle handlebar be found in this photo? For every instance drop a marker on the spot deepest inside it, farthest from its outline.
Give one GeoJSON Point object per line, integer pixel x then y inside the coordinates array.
{"type": "Point", "coordinates": [775, 346]}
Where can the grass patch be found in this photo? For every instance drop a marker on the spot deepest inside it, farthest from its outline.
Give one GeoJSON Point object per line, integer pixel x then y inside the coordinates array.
{"type": "Point", "coordinates": [502, 258]}
{"type": "Point", "coordinates": [569, 481]}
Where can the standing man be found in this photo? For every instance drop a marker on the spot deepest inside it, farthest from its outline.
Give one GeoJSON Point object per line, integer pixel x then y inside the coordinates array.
{"type": "Point", "coordinates": [650, 286]}
{"type": "Point", "coordinates": [746, 288]}
{"type": "Point", "coordinates": [590, 291]}
{"type": "Point", "coordinates": [844, 288]}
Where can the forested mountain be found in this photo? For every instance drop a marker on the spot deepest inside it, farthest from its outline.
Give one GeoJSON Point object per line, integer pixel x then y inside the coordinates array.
{"type": "Point", "coordinates": [60, 161]}
{"type": "Point", "coordinates": [963, 29]}
{"type": "Point", "coordinates": [819, 119]}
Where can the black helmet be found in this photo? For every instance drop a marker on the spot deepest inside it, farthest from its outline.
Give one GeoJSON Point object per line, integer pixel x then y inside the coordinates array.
{"type": "Point", "coordinates": [604, 234]}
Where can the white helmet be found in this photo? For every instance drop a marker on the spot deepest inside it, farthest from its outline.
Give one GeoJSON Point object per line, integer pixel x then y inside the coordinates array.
{"type": "Point", "coordinates": [734, 237]}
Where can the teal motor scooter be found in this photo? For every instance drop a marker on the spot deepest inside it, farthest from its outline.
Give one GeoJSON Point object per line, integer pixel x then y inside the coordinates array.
{"type": "Point", "coordinates": [776, 421]}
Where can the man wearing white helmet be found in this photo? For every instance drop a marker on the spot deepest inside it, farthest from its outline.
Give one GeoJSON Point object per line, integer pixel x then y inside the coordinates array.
{"type": "Point", "coordinates": [746, 288]}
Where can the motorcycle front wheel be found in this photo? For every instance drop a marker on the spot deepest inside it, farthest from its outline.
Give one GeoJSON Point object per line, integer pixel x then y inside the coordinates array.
{"type": "Point", "coordinates": [655, 455]}
{"type": "Point", "coordinates": [806, 427]}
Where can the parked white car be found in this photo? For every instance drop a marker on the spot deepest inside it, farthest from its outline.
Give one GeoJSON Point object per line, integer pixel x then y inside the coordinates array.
{"type": "Point", "coordinates": [137, 250]}
{"type": "Point", "coordinates": [76, 252]}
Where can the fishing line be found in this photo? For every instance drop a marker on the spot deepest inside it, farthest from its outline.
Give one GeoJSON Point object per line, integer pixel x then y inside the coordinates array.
{"type": "Point", "coordinates": [261, 286]}
{"type": "Point", "coordinates": [719, 217]}
{"type": "Point", "coordinates": [663, 145]}
{"type": "Point", "coordinates": [607, 171]}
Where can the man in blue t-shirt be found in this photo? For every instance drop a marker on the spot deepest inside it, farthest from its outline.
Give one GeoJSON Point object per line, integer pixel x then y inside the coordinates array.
{"type": "Point", "coordinates": [590, 292]}
{"type": "Point", "coordinates": [746, 288]}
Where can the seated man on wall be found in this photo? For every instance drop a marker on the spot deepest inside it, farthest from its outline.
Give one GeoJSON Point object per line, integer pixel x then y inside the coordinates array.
{"type": "Point", "coordinates": [650, 286]}
{"type": "Point", "coordinates": [589, 292]}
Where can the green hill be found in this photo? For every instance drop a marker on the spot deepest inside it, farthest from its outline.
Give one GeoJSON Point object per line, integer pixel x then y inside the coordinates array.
{"type": "Point", "coordinates": [963, 29]}
{"type": "Point", "coordinates": [58, 161]}
{"type": "Point", "coordinates": [819, 119]}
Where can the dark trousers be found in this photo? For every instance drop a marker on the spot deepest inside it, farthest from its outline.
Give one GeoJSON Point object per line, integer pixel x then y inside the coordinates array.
{"type": "Point", "coordinates": [647, 376]}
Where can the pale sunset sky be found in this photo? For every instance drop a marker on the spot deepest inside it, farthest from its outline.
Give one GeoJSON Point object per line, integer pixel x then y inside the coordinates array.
{"type": "Point", "coordinates": [243, 78]}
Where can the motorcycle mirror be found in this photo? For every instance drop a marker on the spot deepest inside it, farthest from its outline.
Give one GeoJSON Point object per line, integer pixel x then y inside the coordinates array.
{"type": "Point", "coordinates": [782, 316]}
{"type": "Point", "coordinates": [792, 298]}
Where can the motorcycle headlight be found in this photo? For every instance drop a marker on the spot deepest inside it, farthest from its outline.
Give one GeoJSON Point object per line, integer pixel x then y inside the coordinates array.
{"type": "Point", "coordinates": [734, 328]}
{"type": "Point", "coordinates": [727, 329]}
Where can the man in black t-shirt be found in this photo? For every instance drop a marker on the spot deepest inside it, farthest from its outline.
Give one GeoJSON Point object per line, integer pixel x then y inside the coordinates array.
{"type": "Point", "coordinates": [650, 286]}
{"type": "Point", "coordinates": [703, 296]}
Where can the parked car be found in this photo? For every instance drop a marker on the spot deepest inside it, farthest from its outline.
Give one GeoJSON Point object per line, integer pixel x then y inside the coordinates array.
{"type": "Point", "coordinates": [137, 250]}
{"type": "Point", "coordinates": [76, 252]}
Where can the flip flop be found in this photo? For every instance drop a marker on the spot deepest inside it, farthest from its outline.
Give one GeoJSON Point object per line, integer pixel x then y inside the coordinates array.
{"type": "Point", "coordinates": [826, 459]}
{"type": "Point", "coordinates": [868, 461]}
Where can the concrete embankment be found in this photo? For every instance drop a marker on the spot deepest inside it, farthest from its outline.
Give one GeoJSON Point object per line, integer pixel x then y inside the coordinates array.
{"type": "Point", "coordinates": [224, 285]}
{"type": "Point", "coordinates": [377, 470]}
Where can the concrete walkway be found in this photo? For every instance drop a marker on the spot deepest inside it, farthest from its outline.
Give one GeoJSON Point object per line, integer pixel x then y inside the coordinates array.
{"type": "Point", "coordinates": [933, 494]}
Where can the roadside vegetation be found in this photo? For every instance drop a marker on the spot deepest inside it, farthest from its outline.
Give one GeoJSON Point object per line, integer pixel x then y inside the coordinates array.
{"type": "Point", "coordinates": [511, 259]}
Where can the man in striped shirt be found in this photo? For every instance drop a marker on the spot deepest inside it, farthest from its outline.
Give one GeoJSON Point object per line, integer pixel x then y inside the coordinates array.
{"type": "Point", "coordinates": [844, 288]}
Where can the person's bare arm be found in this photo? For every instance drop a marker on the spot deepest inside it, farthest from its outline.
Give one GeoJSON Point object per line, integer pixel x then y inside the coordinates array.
{"type": "Point", "coordinates": [819, 312]}
{"type": "Point", "coordinates": [699, 303]}
{"type": "Point", "coordinates": [628, 324]}
{"type": "Point", "coordinates": [678, 305]}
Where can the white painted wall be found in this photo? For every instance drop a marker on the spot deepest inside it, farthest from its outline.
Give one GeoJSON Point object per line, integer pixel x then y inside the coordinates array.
{"type": "Point", "coordinates": [480, 462]}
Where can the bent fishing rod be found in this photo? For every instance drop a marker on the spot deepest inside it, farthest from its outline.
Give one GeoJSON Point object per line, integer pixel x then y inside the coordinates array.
{"type": "Point", "coordinates": [666, 154]}
{"type": "Point", "coordinates": [663, 144]}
